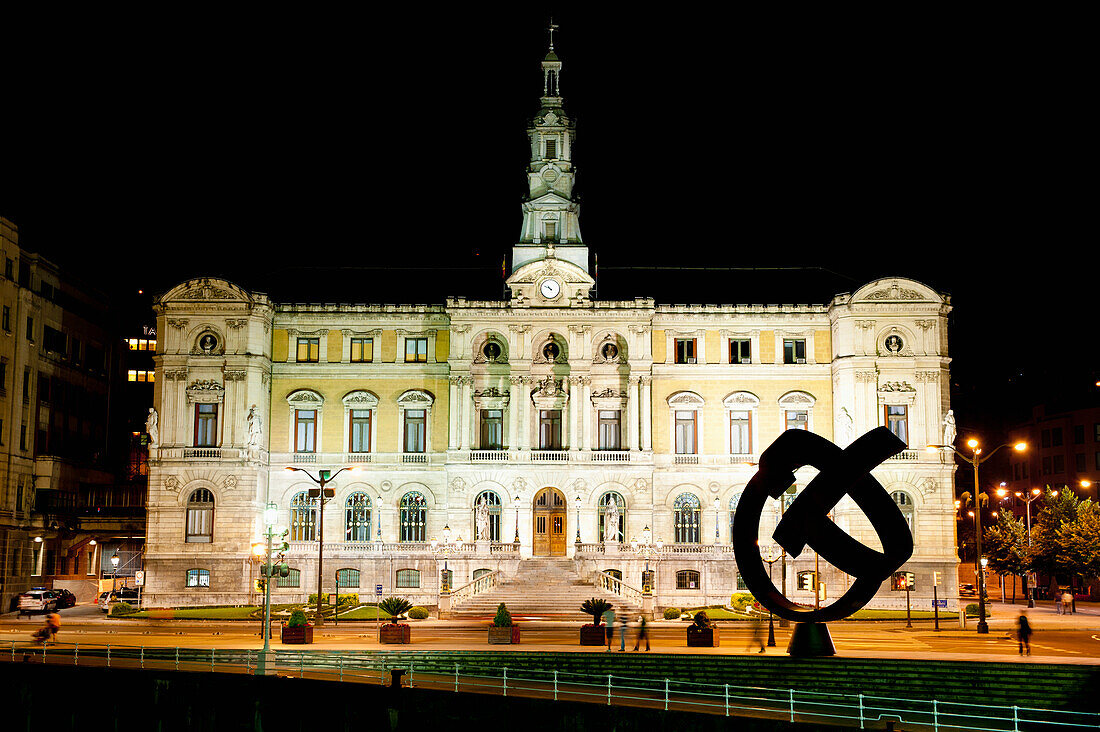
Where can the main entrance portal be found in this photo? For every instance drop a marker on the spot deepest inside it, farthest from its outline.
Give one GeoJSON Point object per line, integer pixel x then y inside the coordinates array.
{"type": "Point", "coordinates": [549, 517]}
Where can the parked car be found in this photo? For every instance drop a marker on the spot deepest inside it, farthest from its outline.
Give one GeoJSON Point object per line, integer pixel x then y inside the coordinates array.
{"type": "Point", "coordinates": [967, 590]}
{"type": "Point", "coordinates": [103, 601]}
{"type": "Point", "coordinates": [37, 601]}
{"type": "Point", "coordinates": [65, 598]}
{"type": "Point", "coordinates": [124, 594]}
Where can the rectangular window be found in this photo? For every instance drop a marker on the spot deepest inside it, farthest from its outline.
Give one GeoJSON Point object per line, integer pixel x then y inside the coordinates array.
{"type": "Point", "coordinates": [685, 433]}
{"type": "Point", "coordinates": [362, 350]}
{"type": "Point", "coordinates": [206, 425]}
{"type": "Point", "coordinates": [550, 230]}
{"type": "Point", "coordinates": [7, 319]}
{"type": "Point", "coordinates": [1079, 462]}
{"type": "Point", "coordinates": [1046, 465]}
{"type": "Point", "coordinates": [30, 329]}
{"type": "Point", "coordinates": [550, 429]}
{"type": "Point", "coordinates": [796, 420]}
{"type": "Point", "coordinates": [897, 419]}
{"type": "Point", "coordinates": [685, 350]}
{"type": "Point", "coordinates": [292, 579]}
{"type": "Point", "coordinates": [305, 430]}
{"type": "Point", "coordinates": [309, 350]}
{"type": "Point", "coordinates": [740, 350]}
{"type": "Point", "coordinates": [416, 350]}
{"type": "Point", "coordinates": [794, 350]}
{"type": "Point", "coordinates": [610, 429]}
{"type": "Point", "coordinates": [415, 430]}
{"type": "Point", "coordinates": [1097, 457]}
{"type": "Point", "coordinates": [408, 578]}
{"type": "Point", "coordinates": [492, 429]}
{"type": "Point", "coordinates": [198, 578]}
{"type": "Point", "coordinates": [1056, 437]}
{"type": "Point", "coordinates": [1078, 434]}
{"type": "Point", "coordinates": [360, 430]}
{"type": "Point", "coordinates": [740, 433]}
{"type": "Point", "coordinates": [551, 148]}
{"type": "Point", "coordinates": [1045, 438]}
{"type": "Point", "coordinates": [1059, 464]}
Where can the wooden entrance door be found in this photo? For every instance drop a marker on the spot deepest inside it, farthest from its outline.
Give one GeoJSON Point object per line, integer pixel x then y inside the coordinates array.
{"type": "Point", "coordinates": [549, 523]}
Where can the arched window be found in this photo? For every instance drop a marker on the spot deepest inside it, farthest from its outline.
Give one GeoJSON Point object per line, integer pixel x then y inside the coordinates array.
{"type": "Point", "coordinates": [413, 517]}
{"type": "Point", "coordinates": [198, 578]}
{"type": "Point", "coordinates": [604, 503]}
{"type": "Point", "coordinates": [734, 500]}
{"type": "Point", "coordinates": [303, 517]}
{"type": "Point", "coordinates": [347, 578]}
{"type": "Point", "coordinates": [685, 518]}
{"type": "Point", "coordinates": [905, 504]}
{"type": "Point", "coordinates": [408, 578]}
{"type": "Point", "coordinates": [687, 579]}
{"type": "Point", "coordinates": [293, 579]}
{"type": "Point", "coordinates": [491, 501]}
{"type": "Point", "coordinates": [357, 517]}
{"type": "Point", "coordinates": [200, 517]}
{"type": "Point", "coordinates": [478, 573]}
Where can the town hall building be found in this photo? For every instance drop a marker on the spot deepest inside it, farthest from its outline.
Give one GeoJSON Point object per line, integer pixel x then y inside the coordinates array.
{"type": "Point", "coordinates": [545, 437]}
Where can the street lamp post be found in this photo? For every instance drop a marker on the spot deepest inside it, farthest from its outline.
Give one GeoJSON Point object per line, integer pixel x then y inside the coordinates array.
{"type": "Point", "coordinates": [446, 548]}
{"type": "Point", "coordinates": [515, 504]}
{"type": "Point", "coordinates": [770, 554]}
{"type": "Point", "coordinates": [578, 501]}
{"type": "Point", "coordinates": [115, 559]}
{"type": "Point", "coordinates": [323, 478]}
{"type": "Point", "coordinates": [975, 462]}
{"type": "Point", "coordinates": [271, 514]}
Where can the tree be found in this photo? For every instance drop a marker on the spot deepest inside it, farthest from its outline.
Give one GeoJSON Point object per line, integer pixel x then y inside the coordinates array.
{"type": "Point", "coordinates": [1076, 541]}
{"type": "Point", "coordinates": [1005, 546]}
{"type": "Point", "coordinates": [1043, 554]}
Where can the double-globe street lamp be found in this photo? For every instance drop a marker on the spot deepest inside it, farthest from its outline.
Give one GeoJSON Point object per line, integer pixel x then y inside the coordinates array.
{"type": "Point", "coordinates": [323, 478]}
{"type": "Point", "coordinates": [271, 515]}
{"type": "Point", "coordinates": [771, 554]}
{"type": "Point", "coordinates": [975, 461]}
{"type": "Point", "coordinates": [446, 548]}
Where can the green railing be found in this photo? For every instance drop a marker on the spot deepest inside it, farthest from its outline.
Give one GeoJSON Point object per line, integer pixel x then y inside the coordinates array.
{"type": "Point", "coordinates": [794, 705]}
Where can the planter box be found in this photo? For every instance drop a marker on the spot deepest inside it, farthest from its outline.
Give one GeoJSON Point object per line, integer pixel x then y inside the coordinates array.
{"type": "Point", "coordinates": [505, 635]}
{"type": "Point", "coordinates": [390, 633]}
{"type": "Point", "coordinates": [301, 634]}
{"type": "Point", "coordinates": [593, 635]}
{"type": "Point", "coordinates": [702, 637]}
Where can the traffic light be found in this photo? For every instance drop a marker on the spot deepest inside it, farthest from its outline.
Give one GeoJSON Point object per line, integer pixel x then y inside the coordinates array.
{"type": "Point", "coordinates": [935, 579]}
{"type": "Point", "coordinates": [806, 581]}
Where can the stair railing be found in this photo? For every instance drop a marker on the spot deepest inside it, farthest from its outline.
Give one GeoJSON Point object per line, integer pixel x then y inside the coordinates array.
{"type": "Point", "coordinates": [613, 584]}
{"type": "Point", "coordinates": [484, 583]}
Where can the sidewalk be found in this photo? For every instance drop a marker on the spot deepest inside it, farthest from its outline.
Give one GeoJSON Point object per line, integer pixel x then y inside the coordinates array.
{"type": "Point", "coordinates": [1003, 616]}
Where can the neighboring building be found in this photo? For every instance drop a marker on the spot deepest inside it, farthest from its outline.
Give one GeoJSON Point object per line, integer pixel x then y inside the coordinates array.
{"type": "Point", "coordinates": [1063, 451]}
{"type": "Point", "coordinates": [578, 423]}
{"type": "Point", "coordinates": [56, 357]}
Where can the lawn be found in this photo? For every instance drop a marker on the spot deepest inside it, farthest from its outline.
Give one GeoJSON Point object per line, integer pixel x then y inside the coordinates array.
{"type": "Point", "coordinates": [247, 612]}
{"type": "Point", "coordinates": [364, 612]}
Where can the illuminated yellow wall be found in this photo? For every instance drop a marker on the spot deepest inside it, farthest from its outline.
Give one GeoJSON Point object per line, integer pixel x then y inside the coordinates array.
{"type": "Point", "coordinates": [280, 344]}
{"type": "Point", "coordinates": [335, 346]}
{"type": "Point", "coordinates": [389, 346]}
{"type": "Point", "coordinates": [659, 349]}
{"type": "Point", "coordinates": [767, 346]}
{"type": "Point", "coordinates": [714, 346]}
{"type": "Point", "coordinates": [442, 345]}
{"type": "Point", "coordinates": [823, 349]}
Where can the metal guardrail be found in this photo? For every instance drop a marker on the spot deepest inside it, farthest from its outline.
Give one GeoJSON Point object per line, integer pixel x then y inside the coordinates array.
{"type": "Point", "coordinates": [792, 705]}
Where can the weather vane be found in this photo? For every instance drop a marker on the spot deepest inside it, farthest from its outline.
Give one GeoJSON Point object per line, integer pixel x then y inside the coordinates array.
{"type": "Point", "coordinates": [553, 28]}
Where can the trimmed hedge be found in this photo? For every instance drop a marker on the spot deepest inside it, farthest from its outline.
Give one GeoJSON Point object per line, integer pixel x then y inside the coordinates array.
{"type": "Point", "coordinates": [418, 613]}
{"type": "Point", "coordinates": [672, 613]}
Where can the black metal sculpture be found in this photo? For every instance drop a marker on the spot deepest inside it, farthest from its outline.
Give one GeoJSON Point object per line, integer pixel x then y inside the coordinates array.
{"type": "Point", "coordinates": [806, 523]}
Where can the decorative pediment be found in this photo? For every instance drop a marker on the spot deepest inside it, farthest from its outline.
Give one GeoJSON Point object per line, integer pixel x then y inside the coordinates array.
{"type": "Point", "coordinates": [205, 391]}
{"type": "Point", "coordinates": [741, 400]}
{"type": "Point", "coordinates": [896, 290]}
{"type": "Point", "coordinates": [609, 398]}
{"type": "Point", "coordinates": [415, 399]}
{"type": "Point", "coordinates": [305, 399]}
{"type": "Point", "coordinates": [797, 400]}
{"type": "Point", "coordinates": [550, 393]}
{"type": "Point", "coordinates": [204, 290]}
{"type": "Point", "coordinates": [685, 400]}
{"type": "Point", "coordinates": [360, 400]}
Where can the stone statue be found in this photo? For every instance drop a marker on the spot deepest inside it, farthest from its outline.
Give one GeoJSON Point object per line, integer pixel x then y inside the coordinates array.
{"type": "Point", "coordinates": [949, 432]}
{"type": "Point", "coordinates": [255, 427]}
{"type": "Point", "coordinates": [151, 428]}
{"type": "Point", "coordinates": [611, 522]}
{"type": "Point", "coordinates": [847, 426]}
{"type": "Point", "coordinates": [481, 519]}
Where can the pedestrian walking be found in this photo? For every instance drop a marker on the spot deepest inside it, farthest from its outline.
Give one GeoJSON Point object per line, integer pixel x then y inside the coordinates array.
{"type": "Point", "coordinates": [609, 621]}
{"type": "Point", "coordinates": [622, 635]}
{"type": "Point", "coordinates": [642, 633]}
{"type": "Point", "coordinates": [1067, 602]}
{"type": "Point", "coordinates": [757, 638]}
{"type": "Point", "coordinates": [1058, 602]}
{"type": "Point", "coordinates": [1023, 634]}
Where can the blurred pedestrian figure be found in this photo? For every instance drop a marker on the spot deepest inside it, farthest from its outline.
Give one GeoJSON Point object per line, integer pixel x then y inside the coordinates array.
{"type": "Point", "coordinates": [609, 621]}
{"type": "Point", "coordinates": [1067, 602]}
{"type": "Point", "coordinates": [1058, 602]}
{"type": "Point", "coordinates": [642, 633]}
{"type": "Point", "coordinates": [757, 638]}
{"type": "Point", "coordinates": [1023, 634]}
{"type": "Point", "coordinates": [622, 635]}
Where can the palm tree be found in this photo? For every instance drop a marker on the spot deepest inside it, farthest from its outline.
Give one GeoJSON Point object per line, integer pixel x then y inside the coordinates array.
{"type": "Point", "coordinates": [595, 607]}
{"type": "Point", "coordinates": [394, 607]}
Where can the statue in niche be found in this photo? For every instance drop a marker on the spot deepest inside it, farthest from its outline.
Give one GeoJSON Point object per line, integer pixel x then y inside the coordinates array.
{"type": "Point", "coordinates": [481, 520]}
{"type": "Point", "coordinates": [255, 427]}
{"type": "Point", "coordinates": [847, 426]}
{"type": "Point", "coordinates": [611, 522]}
{"type": "Point", "coordinates": [949, 431]}
{"type": "Point", "coordinates": [151, 427]}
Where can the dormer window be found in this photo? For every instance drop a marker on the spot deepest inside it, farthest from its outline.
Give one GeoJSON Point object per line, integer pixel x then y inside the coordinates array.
{"type": "Point", "coordinates": [550, 230]}
{"type": "Point", "coordinates": [552, 148]}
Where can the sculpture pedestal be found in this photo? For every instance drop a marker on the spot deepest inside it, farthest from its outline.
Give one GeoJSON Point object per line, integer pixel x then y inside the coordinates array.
{"type": "Point", "coordinates": [610, 547]}
{"type": "Point", "coordinates": [482, 547]}
{"type": "Point", "coordinates": [811, 639]}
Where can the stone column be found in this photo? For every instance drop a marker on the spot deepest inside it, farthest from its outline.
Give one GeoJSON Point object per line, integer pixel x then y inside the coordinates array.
{"type": "Point", "coordinates": [632, 413]}
{"type": "Point", "coordinates": [470, 414]}
{"type": "Point", "coordinates": [465, 406]}
{"type": "Point", "coordinates": [647, 412]}
{"type": "Point", "coordinates": [572, 390]}
{"type": "Point", "coordinates": [452, 414]}
{"type": "Point", "coordinates": [586, 412]}
{"type": "Point", "coordinates": [515, 391]}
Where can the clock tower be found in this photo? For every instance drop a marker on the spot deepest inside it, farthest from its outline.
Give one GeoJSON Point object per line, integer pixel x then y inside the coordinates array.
{"type": "Point", "coordinates": [551, 226]}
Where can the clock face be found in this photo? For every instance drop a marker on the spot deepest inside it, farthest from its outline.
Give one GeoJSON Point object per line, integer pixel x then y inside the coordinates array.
{"type": "Point", "coordinates": [550, 289]}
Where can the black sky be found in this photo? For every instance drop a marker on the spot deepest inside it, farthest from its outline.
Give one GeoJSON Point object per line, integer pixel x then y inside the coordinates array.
{"type": "Point", "coordinates": [141, 150]}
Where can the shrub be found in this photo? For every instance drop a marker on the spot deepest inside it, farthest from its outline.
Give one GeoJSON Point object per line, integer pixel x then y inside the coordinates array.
{"type": "Point", "coordinates": [741, 600]}
{"type": "Point", "coordinates": [121, 608]}
{"type": "Point", "coordinates": [297, 619]}
{"type": "Point", "coordinates": [595, 607]}
{"type": "Point", "coordinates": [503, 618]}
{"type": "Point", "coordinates": [972, 609]}
{"type": "Point", "coordinates": [349, 599]}
{"type": "Point", "coordinates": [394, 606]}
{"type": "Point", "coordinates": [672, 613]}
{"type": "Point", "coordinates": [418, 613]}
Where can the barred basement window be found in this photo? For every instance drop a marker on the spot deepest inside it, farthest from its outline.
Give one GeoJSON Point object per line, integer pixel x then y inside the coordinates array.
{"type": "Point", "coordinates": [347, 578]}
{"type": "Point", "coordinates": [293, 579]}
{"type": "Point", "coordinates": [198, 578]}
{"type": "Point", "coordinates": [687, 579]}
{"type": "Point", "coordinates": [408, 578]}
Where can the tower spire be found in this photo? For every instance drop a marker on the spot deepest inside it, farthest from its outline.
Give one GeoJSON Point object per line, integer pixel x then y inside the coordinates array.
{"type": "Point", "coordinates": [553, 27]}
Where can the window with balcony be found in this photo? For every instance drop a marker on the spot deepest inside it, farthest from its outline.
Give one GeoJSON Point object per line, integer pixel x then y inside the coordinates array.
{"type": "Point", "coordinates": [550, 429]}
{"type": "Point", "coordinates": [206, 425]}
{"type": "Point", "coordinates": [415, 430]}
{"type": "Point", "coordinates": [740, 432]}
{"type": "Point", "coordinates": [897, 420]}
{"type": "Point", "coordinates": [492, 429]}
{"type": "Point", "coordinates": [610, 429]}
{"type": "Point", "coordinates": [359, 429]}
{"type": "Point", "coordinates": [686, 442]}
{"type": "Point", "coordinates": [305, 430]}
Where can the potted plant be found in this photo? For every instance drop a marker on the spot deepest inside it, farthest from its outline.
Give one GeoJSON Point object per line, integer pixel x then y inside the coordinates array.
{"type": "Point", "coordinates": [593, 635]}
{"type": "Point", "coordinates": [702, 632]}
{"type": "Point", "coordinates": [297, 629]}
{"type": "Point", "coordinates": [503, 630]}
{"type": "Point", "coordinates": [394, 632]}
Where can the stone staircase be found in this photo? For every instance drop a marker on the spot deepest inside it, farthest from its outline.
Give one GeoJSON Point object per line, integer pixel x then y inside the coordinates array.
{"type": "Point", "coordinates": [541, 588]}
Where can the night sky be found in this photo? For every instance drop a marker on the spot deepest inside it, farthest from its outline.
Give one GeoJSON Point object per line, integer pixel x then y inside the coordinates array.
{"type": "Point", "coordinates": [274, 149]}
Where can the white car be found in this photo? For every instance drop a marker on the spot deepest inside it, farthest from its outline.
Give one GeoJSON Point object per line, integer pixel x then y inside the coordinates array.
{"type": "Point", "coordinates": [37, 601]}
{"type": "Point", "coordinates": [103, 601]}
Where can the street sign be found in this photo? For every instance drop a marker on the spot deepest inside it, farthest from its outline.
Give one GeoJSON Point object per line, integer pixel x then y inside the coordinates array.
{"type": "Point", "coordinates": [332, 599]}
{"type": "Point", "coordinates": [139, 578]}
{"type": "Point", "coordinates": [378, 590]}
{"type": "Point", "coordinates": [940, 603]}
